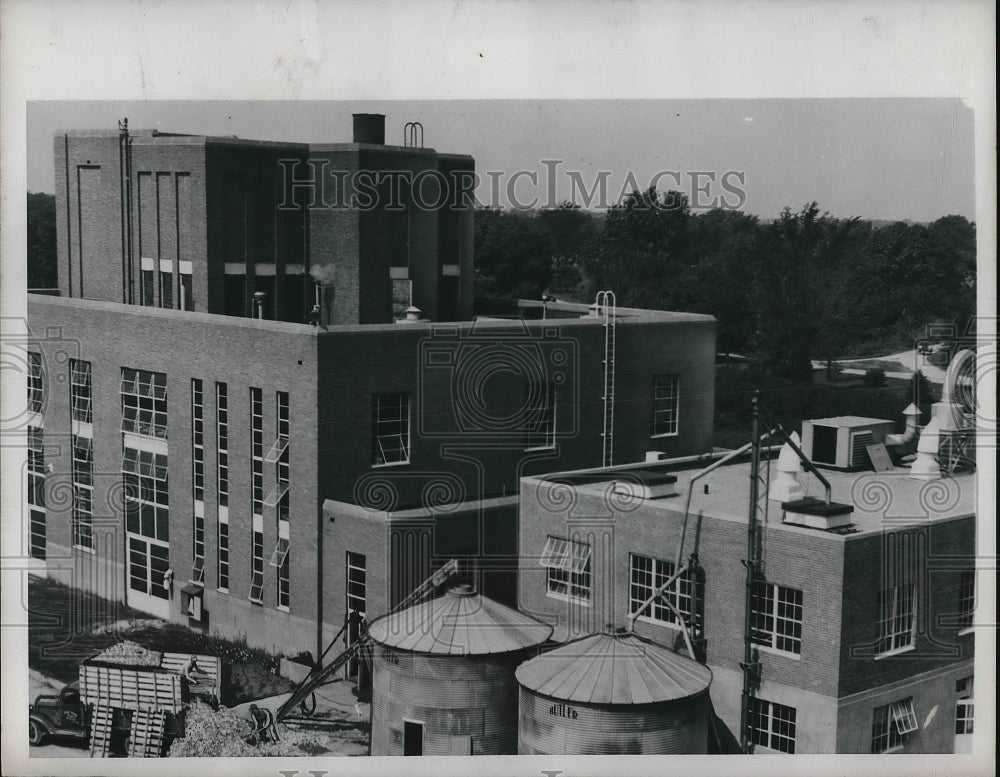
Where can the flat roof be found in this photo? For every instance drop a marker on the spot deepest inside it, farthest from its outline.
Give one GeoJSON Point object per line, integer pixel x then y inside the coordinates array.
{"type": "Point", "coordinates": [880, 499]}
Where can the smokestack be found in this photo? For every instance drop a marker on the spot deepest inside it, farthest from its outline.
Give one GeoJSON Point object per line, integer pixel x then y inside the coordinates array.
{"type": "Point", "coordinates": [369, 128]}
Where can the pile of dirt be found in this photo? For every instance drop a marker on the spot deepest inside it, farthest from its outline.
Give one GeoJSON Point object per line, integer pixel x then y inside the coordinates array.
{"type": "Point", "coordinates": [129, 654]}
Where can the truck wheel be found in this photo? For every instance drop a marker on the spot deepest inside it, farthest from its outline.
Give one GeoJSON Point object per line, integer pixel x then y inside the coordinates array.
{"type": "Point", "coordinates": [36, 733]}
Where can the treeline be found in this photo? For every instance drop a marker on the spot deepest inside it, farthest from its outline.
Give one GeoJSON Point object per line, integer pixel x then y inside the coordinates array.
{"type": "Point", "coordinates": [803, 286]}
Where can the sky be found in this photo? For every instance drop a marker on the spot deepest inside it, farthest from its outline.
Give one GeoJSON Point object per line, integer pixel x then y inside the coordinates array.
{"type": "Point", "coordinates": [895, 159]}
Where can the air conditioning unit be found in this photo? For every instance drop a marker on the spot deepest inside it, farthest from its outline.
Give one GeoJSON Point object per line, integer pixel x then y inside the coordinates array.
{"type": "Point", "coordinates": [841, 442]}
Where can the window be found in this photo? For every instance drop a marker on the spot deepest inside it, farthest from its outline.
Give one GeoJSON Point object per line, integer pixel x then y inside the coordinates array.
{"type": "Point", "coordinates": [390, 429]}
{"type": "Point", "coordinates": [148, 295]}
{"type": "Point", "coordinates": [144, 403]}
{"type": "Point", "coordinates": [36, 493]}
{"type": "Point", "coordinates": [776, 617]}
{"type": "Point", "coordinates": [357, 587]}
{"type": "Point", "coordinates": [223, 569]}
{"type": "Point", "coordinates": [646, 575]}
{"type": "Point", "coordinates": [36, 391]}
{"type": "Point", "coordinates": [197, 440]}
{"type": "Point", "coordinates": [666, 405]}
{"type": "Point", "coordinates": [541, 426]}
{"type": "Point", "coordinates": [257, 450]}
{"type": "Point", "coordinates": [278, 455]}
{"type": "Point", "coordinates": [283, 584]}
{"type": "Point", "coordinates": [257, 579]}
{"type": "Point", "coordinates": [166, 289]}
{"type": "Point", "coordinates": [568, 568]}
{"type": "Point", "coordinates": [222, 442]}
{"type": "Point", "coordinates": [897, 608]}
{"type": "Point", "coordinates": [890, 725]}
{"type": "Point", "coordinates": [81, 391]}
{"type": "Point", "coordinates": [965, 707]}
{"type": "Point", "coordinates": [187, 295]}
{"type": "Point", "coordinates": [967, 599]}
{"type": "Point", "coordinates": [83, 492]}
{"type": "Point", "coordinates": [146, 494]}
{"type": "Point", "coordinates": [772, 725]}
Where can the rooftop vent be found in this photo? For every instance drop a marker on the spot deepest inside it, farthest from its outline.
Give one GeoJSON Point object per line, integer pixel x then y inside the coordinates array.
{"type": "Point", "coordinates": [369, 128]}
{"type": "Point", "coordinates": [817, 514]}
{"type": "Point", "coordinates": [841, 442]}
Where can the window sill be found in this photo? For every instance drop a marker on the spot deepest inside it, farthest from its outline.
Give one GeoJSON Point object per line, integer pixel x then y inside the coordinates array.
{"type": "Point", "coordinates": [775, 652]}
{"type": "Point", "coordinates": [222, 591]}
{"type": "Point", "coordinates": [391, 464]}
{"type": "Point", "coordinates": [85, 549]}
{"type": "Point", "coordinates": [283, 608]}
{"type": "Point", "coordinates": [568, 598]}
{"type": "Point", "coordinates": [896, 749]}
{"type": "Point", "coordinates": [969, 630]}
{"type": "Point", "coordinates": [896, 652]}
{"type": "Point", "coordinates": [540, 448]}
{"type": "Point", "coordinates": [258, 602]}
{"type": "Point", "coordinates": [662, 435]}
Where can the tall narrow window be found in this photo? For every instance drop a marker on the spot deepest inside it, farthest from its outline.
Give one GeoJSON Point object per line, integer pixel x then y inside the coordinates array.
{"type": "Point", "coordinates": [166, 289]}
{"type": "Point", "coordinates": [541, 424]}
{"type": "Point", "coordinates": [776, 613]}
{"type": "Point", "coordinates": [666, 405]}
{"type": "Point", "coordinates": [36, 493]}
{"type": "Point", "coordinates": [257, 450]}
{"type": "Point", "coordinates": [36, 391]}
{"type": "Point", "coordinates": [83, 492]}
{"type": "Point", "coordinates": [223, 569]}
{"type": "Point", "coordinates": [772, 725]}
{"type": "Point", "coordinates": [897, 617]}
{"type": "Point", "coordinates": [197, 441]}
{"type": "Point", "coordinates": [390, 429]}
{"type": "Point", "coordinates": [648, 575]}
{"type": "Point", "coordinates": [187, 292]}
{"type": "Point", "coordinates": [144, 403]}
{"type": "Point", "coordinates": [222, 442]}
{"type": "Point", "coordinates": [357, 584]}
{"type": "Point", "coordinates": [967, 599]}
{"type": "Point", "coordinates": [278, 455]}
{"type": "Point", "coordinates": [81, 391]}
{"type": "Point", "coordinates": [965, 706]}
{"type": "Point", "coordinates": [257, 562]}
{"type": "Point", "coordinates": [148, 288]}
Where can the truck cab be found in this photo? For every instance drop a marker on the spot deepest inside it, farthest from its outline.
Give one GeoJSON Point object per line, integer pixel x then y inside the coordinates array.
{"type": "Point", "coordinates": [61, 715]}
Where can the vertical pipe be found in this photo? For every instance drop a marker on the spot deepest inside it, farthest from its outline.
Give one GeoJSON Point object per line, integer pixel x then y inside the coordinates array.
{"type": "Point", "coordinates": [69, 222]}
{"type": "Point", "coordinates": [121, 205]}
{"type": "Point", "coordinates": [751, 567]}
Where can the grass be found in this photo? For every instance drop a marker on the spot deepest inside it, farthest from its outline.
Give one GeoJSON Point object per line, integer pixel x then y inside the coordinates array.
{"type": "Point", "coordinates": [66, 625]}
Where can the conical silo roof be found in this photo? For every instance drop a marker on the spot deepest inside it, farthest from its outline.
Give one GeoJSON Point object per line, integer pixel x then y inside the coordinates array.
{"type": "Point", "coordinates": [461, 622]}
{"type": "Point", "coordinates": [614, 667]}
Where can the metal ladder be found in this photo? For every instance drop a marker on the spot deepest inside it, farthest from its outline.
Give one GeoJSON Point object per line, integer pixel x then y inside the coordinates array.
{"type": "Point", "coordinates": [321, 673]}
{"type": "Point", "coordinates": [607, 308]}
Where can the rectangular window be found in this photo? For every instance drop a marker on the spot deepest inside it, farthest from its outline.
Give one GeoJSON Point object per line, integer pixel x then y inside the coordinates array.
{"type": "Point", "coordinates": [776, 613]}
{"type": "Point", "coordinates": [36, 386]}
{"type": "Point", "coordinates": [257, 450]}
{"type": "Point", "coordinates": [166, 289]}
{"type": "Point", "coordinates": [666, 405]}
{"type": "Point", "coordinates": [890, 725]}
{"type": "Point", "coordinates": [83, 492]}
{"type": "Point", "coordinates": [283, 584]}
{"type": "Point", "coordinates": [36, 493]}
{"type": "Point", "coordinates": [187, 292]}
{"type": "Point", "coordinates": [357, 586]}
{"type": "Point", "coordinates": [148, 289]}
{"type": "Point", "coordinates": [144, 403]}
{"type": "Point", "coordinates": [257, 579]}
{"type": "Point", "coordinates": [541, 424]}
{"type": "Point", "coordinates": [146, 494]}
{"type": "Point", "coordinates": [897, 617]}
{"type": "Point", "coordinates": [568, 568]}
{"type": "Point", "coordinates": [222, 442]}
{"type": "Point", "coordinates": [197, 440]}
{"type": "Point", "coordinates": [278, 455]}
{"type": "Point", "coordinates": [646, 575]}
{"type": "Point", "coordinates": [965, 706]}
{"type": "Point", "coordinates": [772, 725]}
{"type": "Point", "coordinates": [390, 429]}
{"type": "Point", "coordinates": [967, 599]}
{"type": "Point", "coordinates": [81, 391]}
{"type": "Point", "coordinates": [223, 569]}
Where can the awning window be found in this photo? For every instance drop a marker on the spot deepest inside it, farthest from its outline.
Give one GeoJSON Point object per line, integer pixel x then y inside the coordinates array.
{"type": "Point", "coordinates": [904, 717]}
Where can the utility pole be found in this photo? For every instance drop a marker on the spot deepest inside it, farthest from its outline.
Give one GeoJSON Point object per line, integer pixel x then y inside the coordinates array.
{"type": "Point", "coordinates": [754, 565]}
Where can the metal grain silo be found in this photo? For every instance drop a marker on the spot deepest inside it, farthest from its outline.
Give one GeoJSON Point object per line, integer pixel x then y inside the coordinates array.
{"type": "Point", "coordinates": [443, 676]}
{"type": "Point", "coordinates": [613, 692]}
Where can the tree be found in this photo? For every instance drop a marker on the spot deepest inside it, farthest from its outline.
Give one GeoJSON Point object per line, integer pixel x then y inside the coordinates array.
{"type": "Point", "coordinates": [513, 254]}
{"type": "Point", "coordinates": [41, 255]}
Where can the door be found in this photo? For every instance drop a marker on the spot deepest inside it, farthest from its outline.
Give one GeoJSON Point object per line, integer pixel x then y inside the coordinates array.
{"type": "Point", "coordinates": [413, 738]}
{"type": "Point", "coordinates": [148, 561]}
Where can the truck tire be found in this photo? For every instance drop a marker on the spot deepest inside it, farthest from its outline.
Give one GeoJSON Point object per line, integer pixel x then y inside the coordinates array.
{"type": "Point", "coordinates": [37, 733]}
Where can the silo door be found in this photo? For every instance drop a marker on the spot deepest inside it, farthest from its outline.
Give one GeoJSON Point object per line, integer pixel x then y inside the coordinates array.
{"type": "Point", "coordinates": [413, 738]}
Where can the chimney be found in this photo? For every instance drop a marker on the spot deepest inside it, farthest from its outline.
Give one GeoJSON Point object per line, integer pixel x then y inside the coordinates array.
{"type": "Point", "coordinates": [369, 128]}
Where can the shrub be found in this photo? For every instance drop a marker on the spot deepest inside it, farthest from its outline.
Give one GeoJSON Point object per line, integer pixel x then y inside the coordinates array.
{"type": "Point", "coordinates": [874, 377]}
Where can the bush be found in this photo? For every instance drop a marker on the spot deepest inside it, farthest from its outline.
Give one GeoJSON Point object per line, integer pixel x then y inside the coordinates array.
{"type": "Point", "coordinates": [874, 377]}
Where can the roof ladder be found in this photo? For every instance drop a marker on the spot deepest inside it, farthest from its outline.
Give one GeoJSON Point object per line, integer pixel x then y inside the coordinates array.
{"type": "Point", "coordinates": [607, 308]}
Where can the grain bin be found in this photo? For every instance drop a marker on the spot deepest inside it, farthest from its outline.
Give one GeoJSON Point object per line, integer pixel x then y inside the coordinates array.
{"type": "Point", "coordinates": [613, 692]}
{"type": "Point", "coordinates": [443, 676]}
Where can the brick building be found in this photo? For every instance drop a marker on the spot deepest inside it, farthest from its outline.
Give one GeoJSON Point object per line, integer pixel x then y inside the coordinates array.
{"type": "Point", "coordinates": [864, 633]}
{"type": "Point", "coordinates": [209, 457]}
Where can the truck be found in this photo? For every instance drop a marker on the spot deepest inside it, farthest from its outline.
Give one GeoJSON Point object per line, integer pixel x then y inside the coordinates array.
{"type": "Point", "coordinates": [128, 701]}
